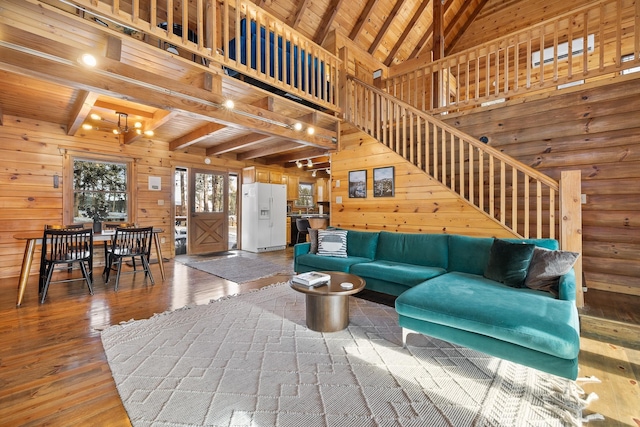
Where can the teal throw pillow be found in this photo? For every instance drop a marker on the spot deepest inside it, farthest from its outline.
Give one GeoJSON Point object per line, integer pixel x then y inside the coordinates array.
{"type": "Point", "coordinates": [332, 243]}
{"type": "Point", "coordinates": [509, 262]}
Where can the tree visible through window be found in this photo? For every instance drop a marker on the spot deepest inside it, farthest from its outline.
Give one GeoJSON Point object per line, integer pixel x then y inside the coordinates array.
{"type": "Point", "coordinates": [99, 191]}
{"type": "Point", "coordinates": [305, 195]}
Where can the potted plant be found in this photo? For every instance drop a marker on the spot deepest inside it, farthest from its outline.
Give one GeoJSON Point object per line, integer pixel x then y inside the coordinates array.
{"type": "Point", "coordinates": [98, 212]}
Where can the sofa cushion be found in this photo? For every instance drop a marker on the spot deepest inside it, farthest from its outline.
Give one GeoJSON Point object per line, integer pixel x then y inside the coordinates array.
{"type": "Point", "coordinates": [471, 254]}
{"type": "Point", "coordinates": [546, 268]}
{"type": "Point", "coordinates": [473, 303]}
{"type": "Point", "coordinates": [362, 243]}
{"type": "Point", "coordinates": [332, 243]}
{"type": "Point", "coordinates": [396, 272]}
{"type": "Point", "coordinates": [509, 262]}
{"type": "Point", "coordinates": [309, 262]}
{"type": "Point", "coordinates": [420, 249]}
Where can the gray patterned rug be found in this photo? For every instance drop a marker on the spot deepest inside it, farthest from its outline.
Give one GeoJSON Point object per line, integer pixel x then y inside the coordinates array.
{"type": "Point", "coordinates": [240, 269]}
{"type": "Point", "coordinates": [249, 360]}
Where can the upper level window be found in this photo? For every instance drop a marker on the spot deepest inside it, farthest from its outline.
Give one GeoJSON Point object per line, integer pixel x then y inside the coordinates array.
{"type": "Point", "coordinates": [100, 191]}
{"type": "Point", "coordinates": [305, 195]}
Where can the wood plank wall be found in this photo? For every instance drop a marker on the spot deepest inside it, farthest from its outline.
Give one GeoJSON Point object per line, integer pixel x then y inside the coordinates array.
{"type": "Point", "coordinates": [421, 204]}
{"type": "Point", "coordinates": [32, 152]}
{"type": "Point", "coordinates": [593, 128]}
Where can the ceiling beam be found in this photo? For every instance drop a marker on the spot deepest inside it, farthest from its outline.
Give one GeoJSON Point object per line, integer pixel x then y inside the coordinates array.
{"type": "Point", "coordinates": [105, 105]}
{"type": "Point", "coordinates": [266, 151]}
{"type": "Point", "coordinates": [438, 30]}
{"type": "Point", "coordinates": [159, 118]}
{"type": "Point", "coordinates": [362, 19]}
{"type": "Point", "coordinates": [305, 153]}
{"type": "Point", "coordinates": [408, 29]}
{"type": "Point", "coordinates": [238, 143]}
{"type": "Point", "coordinates": [28, 54]}
{"type": "Point", "coordinates": [327, 21]}
{"type": "Point", "coordinates": [302, 5]}
{"type": "Point", "coordinates": [454, 40]}
{"type": "Point", "coordinates": [385, 26]}
{"type": "Point", "coordinates": [80, 110]}
{"type": "Point", "coordinates": [195, 136]}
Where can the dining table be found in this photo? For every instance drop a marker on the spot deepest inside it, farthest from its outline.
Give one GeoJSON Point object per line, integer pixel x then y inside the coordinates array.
{"type": "Point", "coordinates": [35, 238]}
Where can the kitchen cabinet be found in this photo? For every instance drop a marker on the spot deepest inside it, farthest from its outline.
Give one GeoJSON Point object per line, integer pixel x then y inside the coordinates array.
{"type": "Point", "coordinates": [292, 187]}
{"type": "Point", "coordinates": [322, 190]}
{"type": "Point", "coordinates": [253, 174]}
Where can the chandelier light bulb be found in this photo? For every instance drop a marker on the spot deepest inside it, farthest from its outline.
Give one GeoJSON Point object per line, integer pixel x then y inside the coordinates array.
{"type": "Point", "coordinates": [137, 125]}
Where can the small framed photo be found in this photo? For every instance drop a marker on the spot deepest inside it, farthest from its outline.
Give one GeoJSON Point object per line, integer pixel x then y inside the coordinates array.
{"type": "Point", "coordinates": [358, 184]}
{"type": "Point", "coordinates": [383, 182]}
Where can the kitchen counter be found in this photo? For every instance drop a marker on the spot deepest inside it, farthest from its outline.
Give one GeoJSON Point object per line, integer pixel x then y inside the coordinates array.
{"type": "Point", "coordinates": [315, 221]}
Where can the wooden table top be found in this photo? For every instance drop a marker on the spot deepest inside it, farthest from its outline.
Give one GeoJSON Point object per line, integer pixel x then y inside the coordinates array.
{"type": "Point", "coordinates": [333, 287]}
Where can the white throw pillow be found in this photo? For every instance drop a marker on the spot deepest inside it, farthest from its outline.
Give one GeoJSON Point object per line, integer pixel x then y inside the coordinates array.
{"type": "Point", "coordinates": [332, 243]}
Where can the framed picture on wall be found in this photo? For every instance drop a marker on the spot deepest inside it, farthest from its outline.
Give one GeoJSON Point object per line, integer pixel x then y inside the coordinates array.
{"type": "Point", "coordinates": [358, 184]}
{"type": "Point", "coordinates": [383, 182]}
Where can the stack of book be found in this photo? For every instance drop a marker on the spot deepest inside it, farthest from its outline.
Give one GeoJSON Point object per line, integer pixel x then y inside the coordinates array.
{"type": "Point", "coordinates": [311, 278]}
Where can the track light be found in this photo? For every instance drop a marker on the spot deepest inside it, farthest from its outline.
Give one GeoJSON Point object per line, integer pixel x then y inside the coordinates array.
{"type": "Point", "coordinates": [298, 163]}
{"type": "Point", "coordinates": [309, 163]}
{"type": "Point", "coordinates": [313, 174]}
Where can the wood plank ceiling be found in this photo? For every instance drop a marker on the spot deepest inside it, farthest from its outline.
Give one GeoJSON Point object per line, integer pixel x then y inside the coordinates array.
{"type": "Point", "coordinates": [392, 31]}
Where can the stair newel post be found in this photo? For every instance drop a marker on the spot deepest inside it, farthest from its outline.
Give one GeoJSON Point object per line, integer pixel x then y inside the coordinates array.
{"type": "Point", "coordinates": [571, 223]}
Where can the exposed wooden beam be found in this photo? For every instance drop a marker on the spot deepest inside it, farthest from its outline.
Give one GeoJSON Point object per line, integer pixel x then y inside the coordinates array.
{"type": "Point", "coordinates": [385, 26]}
{"type": "Point", "coordinates": [266, 151]}
{"type": "Point", "coordinates": [238, 143]}
{"type": "Point", "coordinates": [1, 117]}
{"type": "Point", "coordinates": [28, 54]}
{"type": "Point", "coordinates": [327, 21]}
{"type": "Point", "coordinates": [467, 23]}
{"type": "Point", "coordinates": [302, 5]}
{"type": "Point", "coordinates": [195, 135]}
{"type": "Point", "coordinates": [160, 117]}
{"type": "Point", "coordinates": [80, 110]}
{"type": "Point", "coordinates": [304, 153]}
{"type": "Point", "coordinates": [438, 30]}
{"type": "Point", "coordinates": [408, 29]}
{"type": "Point", "coordinates": [362, 19]}
{"type": "Point", "coordinates": [428, 34]}
{"type": "Point", "coordinates": [106, 105]}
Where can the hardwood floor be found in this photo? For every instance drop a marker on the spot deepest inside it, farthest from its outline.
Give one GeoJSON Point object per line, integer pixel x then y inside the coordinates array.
{"type": "Point", "coordinates": [53, 370]}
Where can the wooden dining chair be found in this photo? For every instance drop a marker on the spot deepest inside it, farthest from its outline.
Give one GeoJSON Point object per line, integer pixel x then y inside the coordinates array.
{"type": "Point", "coordinates": [66, 246]}
{"type": "Point", "coordinates": [129, 243]}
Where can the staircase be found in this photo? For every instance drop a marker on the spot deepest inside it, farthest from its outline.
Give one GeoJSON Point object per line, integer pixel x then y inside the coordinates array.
{"type": "Point", "coordinates": [527, 203]}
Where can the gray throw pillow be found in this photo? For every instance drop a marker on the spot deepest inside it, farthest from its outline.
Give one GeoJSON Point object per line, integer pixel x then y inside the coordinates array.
{"type": "Point", "coordinates": [313, 238]}
{"type": "Point", "coordinates": [332, 243]}
{"type": "Point", "coordinates": [509, 262]}
{"type": "Point", "coordinates": [547, 267]}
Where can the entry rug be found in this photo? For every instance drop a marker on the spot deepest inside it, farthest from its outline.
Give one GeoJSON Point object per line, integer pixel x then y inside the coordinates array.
{"type": "Point", "coordinates": [240, 269]}
{"type": "Point", "coordinates": [249, 360]}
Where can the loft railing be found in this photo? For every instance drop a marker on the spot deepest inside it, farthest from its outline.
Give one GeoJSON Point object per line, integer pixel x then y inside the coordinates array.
{"type": "Point", "coordinates": [512, 193]}
{"type": "Point", "coordinates": [594, 40]}
{"type": "Point", "coordinates": [246, 40]}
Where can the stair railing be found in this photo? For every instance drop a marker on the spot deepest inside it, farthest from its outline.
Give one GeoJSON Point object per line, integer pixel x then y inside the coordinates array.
{"type": "Point", "coordinates": [514, 194]}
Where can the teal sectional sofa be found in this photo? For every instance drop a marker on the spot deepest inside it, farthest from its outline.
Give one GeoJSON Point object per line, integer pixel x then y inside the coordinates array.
{"type": "Point", "coordinates": [442, 292]}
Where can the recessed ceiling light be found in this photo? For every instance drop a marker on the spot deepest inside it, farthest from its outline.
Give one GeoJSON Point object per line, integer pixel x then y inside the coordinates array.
{"type": "Point", "coordinates": [311, 131]}
{"type": "Point", "coordinates": [228, 104]}
{"type": "Point", "coordinates": [297, 126]}
{"type": "Point", "coordinates": [87, 126]}
{"type": "Point", "coordinates": [95, 116]}
{"type": "Point", "coordinates": [88, 60]}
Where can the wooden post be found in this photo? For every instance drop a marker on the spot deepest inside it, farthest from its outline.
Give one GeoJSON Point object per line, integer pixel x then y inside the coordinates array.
{"type": "Point", "coordinates": [342, 95]}
{"type": "Point", "coordinates": [571, 223]}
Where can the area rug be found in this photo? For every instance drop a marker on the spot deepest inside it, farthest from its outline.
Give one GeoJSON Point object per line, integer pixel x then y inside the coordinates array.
{"type": "Point", "coordinates": [249, 360]}
{"type": "Point", "coordinates": [240, 269]}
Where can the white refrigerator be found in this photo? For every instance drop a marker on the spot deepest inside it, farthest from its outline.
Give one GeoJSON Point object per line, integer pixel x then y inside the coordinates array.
{"type": "Point", "coordinates": [264, 217]}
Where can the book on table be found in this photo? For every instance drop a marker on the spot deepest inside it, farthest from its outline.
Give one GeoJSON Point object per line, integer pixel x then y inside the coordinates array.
{"type": "Point", "coordinates": [311, 278]}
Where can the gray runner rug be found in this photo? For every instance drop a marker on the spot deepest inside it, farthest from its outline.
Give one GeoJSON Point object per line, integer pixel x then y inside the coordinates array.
{"type": "Point", "coordinates": [240, 269]}
{"type": "Point", "coordinates": [249, 360]}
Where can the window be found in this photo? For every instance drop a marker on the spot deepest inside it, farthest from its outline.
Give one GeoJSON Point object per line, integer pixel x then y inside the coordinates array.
{"type": "Point", "coordinates": [305, 195]}
{"type": "Point", "coordinates": [100, 190]}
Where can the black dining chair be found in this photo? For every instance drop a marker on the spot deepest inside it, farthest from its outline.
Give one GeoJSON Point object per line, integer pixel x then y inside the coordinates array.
{"type": "Point", "coordinates": [56, 227]}
{"type": "Point", "coordinates": [129, 243]}
{"type": "Point", "coordinates": [66, 246]}
{"type": "Point", "coordinates": [302, 224]}
{"type": "Point", "coordinates": [110, 228]}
